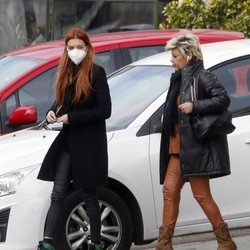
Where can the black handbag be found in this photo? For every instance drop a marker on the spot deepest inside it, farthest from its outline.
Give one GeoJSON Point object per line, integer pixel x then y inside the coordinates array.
{"type": "Point", "coordinates": [210, 125]}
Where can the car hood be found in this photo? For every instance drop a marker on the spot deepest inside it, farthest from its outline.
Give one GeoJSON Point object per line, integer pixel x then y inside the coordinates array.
{"type": "Point", "coordinates": [26, 148]}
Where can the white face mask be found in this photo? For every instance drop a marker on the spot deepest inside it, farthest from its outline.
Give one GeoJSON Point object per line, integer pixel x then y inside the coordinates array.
{"type": "Point", "coordinates": [76, 55]}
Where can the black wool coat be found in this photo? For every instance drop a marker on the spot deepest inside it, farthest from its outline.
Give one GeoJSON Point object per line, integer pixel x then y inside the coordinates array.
{"type": "Point", "coordinates": [197, 158]}
{"type": "Point", "coordinates": [84, 137]}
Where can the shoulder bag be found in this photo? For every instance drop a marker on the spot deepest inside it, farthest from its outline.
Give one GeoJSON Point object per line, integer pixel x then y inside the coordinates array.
{"type": "Point", "coordinates": [210, 125]}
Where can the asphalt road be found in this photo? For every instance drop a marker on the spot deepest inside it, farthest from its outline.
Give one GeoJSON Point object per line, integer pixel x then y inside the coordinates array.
{"type": "Point", "coordinates": [205, 241]}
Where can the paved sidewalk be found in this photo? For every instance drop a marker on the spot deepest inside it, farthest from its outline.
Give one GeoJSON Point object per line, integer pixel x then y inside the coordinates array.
{"type": "Point", "coordinates": [205, 241]}
{"type": "Point", "coordinates": [242, 242]}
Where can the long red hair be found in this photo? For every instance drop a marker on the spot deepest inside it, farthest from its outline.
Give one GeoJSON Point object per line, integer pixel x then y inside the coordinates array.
{"type": "Point", "coordinates": [67, 73]}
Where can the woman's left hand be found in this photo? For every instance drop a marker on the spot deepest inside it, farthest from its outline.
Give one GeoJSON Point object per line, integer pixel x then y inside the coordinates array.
{"type": "Point", "coordinates": [186, 107]}
{"type": "Point", "coordinates": [64, 119]}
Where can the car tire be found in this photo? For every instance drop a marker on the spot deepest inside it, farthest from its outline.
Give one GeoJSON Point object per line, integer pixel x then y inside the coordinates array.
{"type": "Point", "coordinates": [116, 223]}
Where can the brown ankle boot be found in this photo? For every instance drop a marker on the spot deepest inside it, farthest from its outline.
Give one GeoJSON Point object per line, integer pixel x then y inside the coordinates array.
{"type": "Point", "coordinates": [165, 239]}
{"type": "Point", "coordinates": [223, 237]}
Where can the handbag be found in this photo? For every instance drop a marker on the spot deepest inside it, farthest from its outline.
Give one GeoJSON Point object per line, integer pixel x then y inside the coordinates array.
{"type": "Point", "coordinates": [210, 125]}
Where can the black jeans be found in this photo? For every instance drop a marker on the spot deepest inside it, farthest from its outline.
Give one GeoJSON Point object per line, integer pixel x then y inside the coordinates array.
{"type": "Point", "coordinates": [61, 190]}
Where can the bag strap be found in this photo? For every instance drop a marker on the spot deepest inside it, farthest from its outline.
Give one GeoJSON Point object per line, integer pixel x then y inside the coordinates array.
{"type": "Point", "coordinates": [194, 89]}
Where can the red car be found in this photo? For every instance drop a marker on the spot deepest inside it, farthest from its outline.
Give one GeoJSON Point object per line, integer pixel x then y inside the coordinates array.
{"type": "Point", "coordinates": [27, 75]}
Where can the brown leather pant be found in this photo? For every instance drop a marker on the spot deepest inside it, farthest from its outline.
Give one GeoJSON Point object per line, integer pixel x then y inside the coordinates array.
{"type": "Point", "coordinates": [201, 191]}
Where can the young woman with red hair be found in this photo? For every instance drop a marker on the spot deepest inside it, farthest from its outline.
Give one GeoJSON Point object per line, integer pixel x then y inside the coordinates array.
{"type": "Point", "coordinates": [78, 156]}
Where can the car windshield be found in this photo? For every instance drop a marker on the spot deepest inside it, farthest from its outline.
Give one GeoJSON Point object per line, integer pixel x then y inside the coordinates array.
{"type": "Point", "coordinates": [11, 67]}
{"type": "Point", "coordinates": [133, 89]}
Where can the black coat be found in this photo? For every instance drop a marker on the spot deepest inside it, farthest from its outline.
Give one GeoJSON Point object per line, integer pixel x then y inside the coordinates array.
{"type": "Point", "coordinates": [198, 158]}
{"type": "Point", "coordinates": [84, 137]}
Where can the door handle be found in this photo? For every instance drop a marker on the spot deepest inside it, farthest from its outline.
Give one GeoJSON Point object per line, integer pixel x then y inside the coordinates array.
{"type": "Point", "coordinates": [247, 141]}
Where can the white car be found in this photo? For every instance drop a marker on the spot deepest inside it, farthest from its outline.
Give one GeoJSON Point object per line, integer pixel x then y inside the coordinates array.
{"type": "Point", "coordinates": [131, 204]}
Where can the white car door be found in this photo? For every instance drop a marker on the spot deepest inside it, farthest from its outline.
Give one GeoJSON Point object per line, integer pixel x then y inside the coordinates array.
{"type": "Point", "coordinates": [232, 192]}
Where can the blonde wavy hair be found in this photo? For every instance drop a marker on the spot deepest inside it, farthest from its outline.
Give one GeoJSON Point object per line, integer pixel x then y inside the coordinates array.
{"type": "Point", "coordinates": [187, 44]}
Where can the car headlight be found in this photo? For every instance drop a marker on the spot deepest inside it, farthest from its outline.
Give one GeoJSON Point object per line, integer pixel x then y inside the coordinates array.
{"type": "Point", "coordinates": [9, 182]}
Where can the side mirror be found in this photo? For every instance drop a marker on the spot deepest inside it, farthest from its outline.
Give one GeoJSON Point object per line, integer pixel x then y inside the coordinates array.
{"type": "Point", "coordinates": [23, 115]}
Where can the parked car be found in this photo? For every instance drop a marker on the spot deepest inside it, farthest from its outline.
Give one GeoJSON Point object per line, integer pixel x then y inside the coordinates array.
{"type": "Point", "coordinates": [27, 75]}
{"type": "Point", "coordinates": [131, 204]}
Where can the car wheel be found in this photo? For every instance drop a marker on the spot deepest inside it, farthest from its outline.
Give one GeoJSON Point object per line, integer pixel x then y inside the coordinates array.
{"type": "Point", "coordinates": [116, 223]}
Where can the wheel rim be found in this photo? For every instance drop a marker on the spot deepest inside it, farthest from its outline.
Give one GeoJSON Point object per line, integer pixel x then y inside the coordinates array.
{"type": "Point", "coordinates": [78, 227]}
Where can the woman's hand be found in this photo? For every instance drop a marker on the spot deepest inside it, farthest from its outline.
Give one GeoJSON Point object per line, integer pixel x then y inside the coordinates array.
{"type": "Point", "coordinates": [51, 117]}
{"type": "Point", "coordinates": [186, 107]}
{"type": "Point", "coordinates": [64, 119]}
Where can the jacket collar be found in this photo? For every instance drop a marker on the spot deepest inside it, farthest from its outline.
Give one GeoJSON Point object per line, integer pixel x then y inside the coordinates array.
{"type": "Point", "coordinates": [190, 71]}
{"type": "Point", "coordinates": [193, 68]}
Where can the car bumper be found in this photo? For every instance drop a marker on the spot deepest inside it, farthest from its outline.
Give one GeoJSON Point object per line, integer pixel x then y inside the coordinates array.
{"type": "Point", "coordinates": [25, 222]}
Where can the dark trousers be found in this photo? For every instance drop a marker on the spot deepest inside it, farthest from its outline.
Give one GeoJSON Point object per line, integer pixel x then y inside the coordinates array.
{"type": "Point", "coordinates": [61, 190]}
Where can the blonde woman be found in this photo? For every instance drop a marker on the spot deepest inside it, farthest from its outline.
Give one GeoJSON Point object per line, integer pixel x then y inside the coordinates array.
{"type": "Point", "coordinates": [182, 156]}
{"type": "Point", "coordinates": [78, 155]}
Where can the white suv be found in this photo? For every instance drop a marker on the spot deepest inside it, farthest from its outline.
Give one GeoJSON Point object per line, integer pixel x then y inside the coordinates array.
{"type": "Point", "coordinates": [131, 204]}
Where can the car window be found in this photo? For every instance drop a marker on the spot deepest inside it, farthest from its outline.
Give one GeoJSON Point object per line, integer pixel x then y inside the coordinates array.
{"type": "Point", "coordinates": [13, 66]}
{"type": "Point", "coordinates": [133, 89]}
{"type": "Point", "coordinates": [39, 91]}
{"type": "Point", "coordinates": [235, 77]}
{"type": "Point", "coordinates": [138, 53]}
{"type": "Point", "coordinates": [106, 60]}
{"type": "Point", "coordinates": [6, 109]}
{"type": "Point", "coordinates": [10, 104]}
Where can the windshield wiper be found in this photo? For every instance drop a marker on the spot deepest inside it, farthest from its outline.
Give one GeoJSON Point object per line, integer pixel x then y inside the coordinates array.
{"type": "Point", "coordinates": [42, 125]}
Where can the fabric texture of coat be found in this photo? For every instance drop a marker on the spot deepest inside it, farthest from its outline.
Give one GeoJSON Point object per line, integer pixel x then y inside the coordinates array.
{"type": "Point", "coordinates": [197, 158]}
{"type": "Point", "coordinates": [84, 137]}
